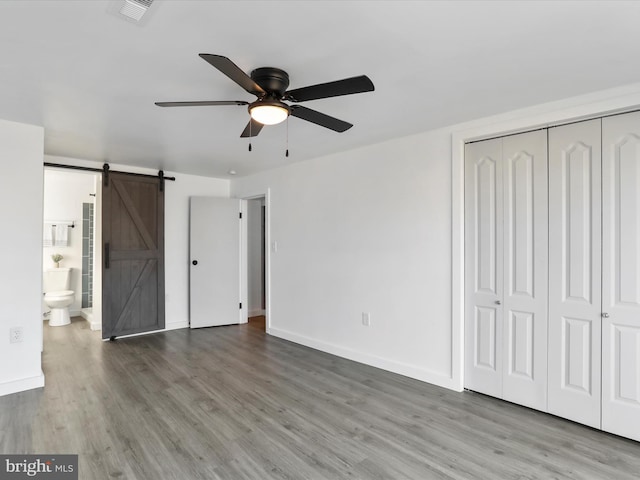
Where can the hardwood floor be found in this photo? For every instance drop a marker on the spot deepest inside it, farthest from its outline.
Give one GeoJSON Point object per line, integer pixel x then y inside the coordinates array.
{"type": "Point", "coordinates": [258, 322]}
{"type": "Point", "coordinates": [234, 403]}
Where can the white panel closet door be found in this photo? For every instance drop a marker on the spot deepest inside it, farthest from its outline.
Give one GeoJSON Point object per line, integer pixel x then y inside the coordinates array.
{"type": "Point", "coordinates": [525, 243]}
{"type": "Point", "coordinates": [621, 275]}
{"type": "Point", "coordinates": [575, 272]}
{"type": "Point", "coordinates": [506, 268]}
{"type": "Point", "coordinates": [483, 267]}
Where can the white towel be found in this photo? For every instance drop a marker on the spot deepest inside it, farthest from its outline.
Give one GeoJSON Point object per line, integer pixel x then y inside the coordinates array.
{"type": "Point", "coordinates": [61, 238]}
{"type": "Point", "coordinates": [47, 236]}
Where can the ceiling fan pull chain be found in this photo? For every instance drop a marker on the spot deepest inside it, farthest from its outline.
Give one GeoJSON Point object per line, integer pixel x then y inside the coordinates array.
{"type": "Point", "coordinates": [250, 122]}
{"type": "Point", "coordinates": [286, 154]}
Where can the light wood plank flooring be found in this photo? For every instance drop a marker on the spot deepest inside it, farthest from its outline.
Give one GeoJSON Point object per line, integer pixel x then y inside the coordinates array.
{"type": "Point", "coordinates": [234, 403]}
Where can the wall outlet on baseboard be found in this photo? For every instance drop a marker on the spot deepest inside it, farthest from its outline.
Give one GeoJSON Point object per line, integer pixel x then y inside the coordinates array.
{"type": "Point", "coordinates": [366, 319]}
{"type": "Point", "coordinates": [16, 335]}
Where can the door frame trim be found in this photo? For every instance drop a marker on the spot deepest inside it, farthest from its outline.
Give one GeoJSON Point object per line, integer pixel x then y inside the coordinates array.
{"type": "Point", "coordinates": [574, 109]}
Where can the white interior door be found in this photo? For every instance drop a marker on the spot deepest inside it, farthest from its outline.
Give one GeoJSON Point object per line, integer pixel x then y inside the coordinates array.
{"type": "Point", "coordinates": [525, 269]}
{"type": "Point", "coordinates": [483, 267]}
{"type": "Point", "coordinates": [621, 275]}
{"type": "Point", "coordinates": [575, 272]}
{"type": "Point", "coordinates": [214, 292]}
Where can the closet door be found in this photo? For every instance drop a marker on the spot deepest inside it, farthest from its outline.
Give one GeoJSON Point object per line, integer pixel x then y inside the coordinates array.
{"type": "Point", "coordinates": [524, 336]}
{"type": "Point", "coordinates": [575, 272]}
{"type": "Point", "coordinates": [506, 268]}
{"type": "Point", "coordinates": [483, 267]}
{"type": "Point", "coordinates": [621, 275]}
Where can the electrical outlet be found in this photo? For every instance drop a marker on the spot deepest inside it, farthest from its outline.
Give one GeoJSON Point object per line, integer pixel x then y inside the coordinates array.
{"type": "Point", "coordinates": [16, 335]}
{"type": "Point", "coordinates": [366, 319]}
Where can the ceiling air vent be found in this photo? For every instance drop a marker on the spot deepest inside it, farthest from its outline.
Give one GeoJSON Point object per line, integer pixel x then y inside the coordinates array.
{"type": "Point", "coordinates": [135, 9]}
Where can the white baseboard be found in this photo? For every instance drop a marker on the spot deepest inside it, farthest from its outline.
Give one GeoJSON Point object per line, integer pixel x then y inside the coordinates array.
{"type": "Point", "coordinates": [22, 384]}
{"type": "Point", "coordinates": [408, 370]}
{"type": "Point", "coordinates": [94, 325]}
{"type": "Point", "coordinates": [257, 312]}
{"type": "Point", "coordinates": [176, 325]}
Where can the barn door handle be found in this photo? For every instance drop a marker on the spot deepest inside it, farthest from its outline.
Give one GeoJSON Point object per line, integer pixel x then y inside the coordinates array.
{"type": "Point", "coordinates": [107, 260]}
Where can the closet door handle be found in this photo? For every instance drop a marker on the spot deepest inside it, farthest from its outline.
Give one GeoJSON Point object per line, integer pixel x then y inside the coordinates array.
{"type": "Point", "coordinates": [107, 260]}
{"type": "Point", "coordinates": [605, 315]}
{"type": "Point", "coordinates": [498, 302]}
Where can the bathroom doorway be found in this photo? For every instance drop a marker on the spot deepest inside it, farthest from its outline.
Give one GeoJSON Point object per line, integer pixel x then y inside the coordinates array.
{"type": "Point", "coordinates": [71, 232]}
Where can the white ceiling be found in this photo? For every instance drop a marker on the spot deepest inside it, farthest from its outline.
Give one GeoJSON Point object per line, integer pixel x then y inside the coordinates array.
{"type": "Point", "coordinates": [91, 77]}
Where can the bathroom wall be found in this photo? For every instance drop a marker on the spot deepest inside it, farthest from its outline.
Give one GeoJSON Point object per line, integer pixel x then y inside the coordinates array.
{"type": "Point", "coordinates": [64, 193]}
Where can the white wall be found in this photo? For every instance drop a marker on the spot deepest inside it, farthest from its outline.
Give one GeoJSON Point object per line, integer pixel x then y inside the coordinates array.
{"type": "Point", "coordinates": [365, 231]}
{"type": "Point", "coordinates": [176, 231]}
{"type": "Point", "coordinates": [21, 151]}
{"type": "Point", "coordinates": [380, 229]}
{"type": "Point", "coordinates": [255, 277]}
{"type": "Point", "coordinates": [64, 193]}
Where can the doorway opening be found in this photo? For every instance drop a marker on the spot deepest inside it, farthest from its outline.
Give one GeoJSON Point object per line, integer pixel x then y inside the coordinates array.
{"type": "Point", "coordinates": [256, 228]}
{"type": "Point", "coordinates": [71, 235]}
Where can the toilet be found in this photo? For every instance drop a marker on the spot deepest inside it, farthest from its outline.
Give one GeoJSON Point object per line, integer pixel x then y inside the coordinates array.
{"type": "Point", "coordinates": [57, 295]}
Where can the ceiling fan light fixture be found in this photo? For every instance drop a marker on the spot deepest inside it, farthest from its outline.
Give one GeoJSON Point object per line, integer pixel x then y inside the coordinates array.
{"type": "Point", "coordinates": [269, 112]}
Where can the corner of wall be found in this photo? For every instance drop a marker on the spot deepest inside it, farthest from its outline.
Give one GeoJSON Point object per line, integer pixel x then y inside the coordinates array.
{"type": "Point", "coordinates": [22, 384]}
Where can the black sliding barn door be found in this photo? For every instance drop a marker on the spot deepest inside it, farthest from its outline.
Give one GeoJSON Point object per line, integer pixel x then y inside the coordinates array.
{"type": "Point", "coordinates": [133, 255]}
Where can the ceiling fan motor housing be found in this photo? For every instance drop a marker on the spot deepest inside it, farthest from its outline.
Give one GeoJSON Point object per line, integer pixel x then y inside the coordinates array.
{"type": "Point", "coordinates": [271, 79]}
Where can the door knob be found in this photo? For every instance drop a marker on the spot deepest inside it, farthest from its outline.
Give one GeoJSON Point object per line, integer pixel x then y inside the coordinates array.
{"type": "Point", "coordinates": [605, 315]}
{"type": "Point", "coordinates": [498, 302]}
{"type": "Point", "coordinates": [195, 262]}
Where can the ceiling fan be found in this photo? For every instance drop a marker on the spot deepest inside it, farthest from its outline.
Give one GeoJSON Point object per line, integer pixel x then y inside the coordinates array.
{"type": "Point", "coordinates": [270, 85]}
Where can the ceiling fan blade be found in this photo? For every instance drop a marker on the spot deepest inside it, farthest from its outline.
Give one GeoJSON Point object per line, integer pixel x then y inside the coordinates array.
{"type": "Point", "coordinates": [201, 104]}
{"type": "Point", "coordinates": [252, 129]}
{"type": "Point", "coordinates": [321, 119]}
{"type": "Point", "coordinates": [347, 86]}
{"type": "Point", "coordinates": [232, 71]}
